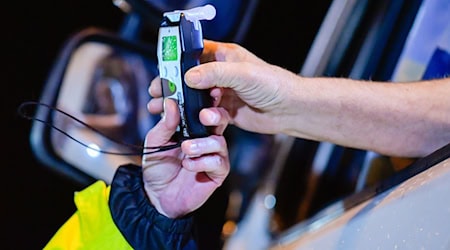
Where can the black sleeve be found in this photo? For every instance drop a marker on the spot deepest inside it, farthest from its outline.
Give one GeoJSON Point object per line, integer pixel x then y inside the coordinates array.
{"type": "Point", "coordinates": [139, 222]}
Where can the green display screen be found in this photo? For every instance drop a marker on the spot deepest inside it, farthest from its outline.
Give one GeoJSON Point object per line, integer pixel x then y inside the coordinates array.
{"type": "Point", "coordinates": [169, 48]}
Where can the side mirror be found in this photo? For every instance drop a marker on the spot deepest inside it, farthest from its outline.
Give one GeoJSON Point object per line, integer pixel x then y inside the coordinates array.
{"type": "Point", "coordinates": [102, 80]}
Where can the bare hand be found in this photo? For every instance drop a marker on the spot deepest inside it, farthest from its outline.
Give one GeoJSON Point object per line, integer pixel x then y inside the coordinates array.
{"type": "Point", "coordinates": [180, 180]}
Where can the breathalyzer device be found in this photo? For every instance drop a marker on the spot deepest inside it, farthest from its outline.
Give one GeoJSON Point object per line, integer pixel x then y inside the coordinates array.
{"type": "Point", "coordinates": [180, 44]}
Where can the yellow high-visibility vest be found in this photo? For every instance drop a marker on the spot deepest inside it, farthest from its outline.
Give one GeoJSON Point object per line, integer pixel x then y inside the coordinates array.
{"type": "Point", "coordinates": [91, 226]}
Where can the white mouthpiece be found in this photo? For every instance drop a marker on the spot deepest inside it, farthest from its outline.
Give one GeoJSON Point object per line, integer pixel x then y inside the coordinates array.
{"type": "Point", "coordinates": [206, 12]}
{"type": "Point", "coordinates": [194, 15]}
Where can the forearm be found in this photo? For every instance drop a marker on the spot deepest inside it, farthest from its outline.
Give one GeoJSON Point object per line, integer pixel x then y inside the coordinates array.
{"type": "Point", "coordinates": [399, 119]}
{"type": "Point", "coordinates": [409, 119]}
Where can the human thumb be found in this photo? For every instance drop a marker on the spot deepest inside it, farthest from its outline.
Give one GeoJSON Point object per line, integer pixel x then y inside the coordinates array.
{"type": "Point", "coordinates": [212, 74]}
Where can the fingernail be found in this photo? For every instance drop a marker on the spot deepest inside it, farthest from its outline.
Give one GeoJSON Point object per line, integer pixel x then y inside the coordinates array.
{"type": "Point", "coordinates": [193, 77]}
{"type": "Point", "coordinates": [194, 148]}
{"type": "Point", "coordinates": [213, 117]}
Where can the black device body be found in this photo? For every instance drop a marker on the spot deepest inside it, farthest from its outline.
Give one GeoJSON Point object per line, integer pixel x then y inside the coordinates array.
{"type": "Point", "coordinates": [190, 101]}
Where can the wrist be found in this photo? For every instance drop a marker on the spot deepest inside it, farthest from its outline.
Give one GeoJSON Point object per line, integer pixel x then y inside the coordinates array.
{"type": "Point", "coordinates": [138, 220]}
{"type": "Point", "coordinates": [156, 203]}
{"type": "Point", "coordinates": [293, 102]}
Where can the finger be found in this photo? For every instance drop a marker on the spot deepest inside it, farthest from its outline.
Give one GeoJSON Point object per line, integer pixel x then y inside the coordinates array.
{"type": "Point", "coordinates": [155, 105]}
{"type": "Point", "coordinates": [216, 117]}
{"type": "Point", "coordinates": [212, 156]}
{"type": "Point", "coordinates": [161, 133]}
{"type": "Point", "coordinates": [216, 94]}
{"type": "Point", "coordinates": [155, 87]}
{"type": "Point", "coordinates": [219, 74]}
{"type": "Point", "coordinates": [209, 49]}
{"type": "Point", "coordinates": [216, 167]}
{"type": "Point", "coordinates": [227, 52]}
{"type": "Point", "coordinates": [207, 145]}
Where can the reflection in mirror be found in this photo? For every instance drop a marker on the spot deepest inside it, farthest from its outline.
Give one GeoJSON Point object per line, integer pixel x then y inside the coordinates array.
{"type": "Point", "coordinates": [107, 89]}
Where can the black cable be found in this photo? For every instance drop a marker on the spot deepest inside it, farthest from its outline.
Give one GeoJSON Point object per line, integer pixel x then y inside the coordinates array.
{"type": "Point", "coordinates": [21, 111]}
